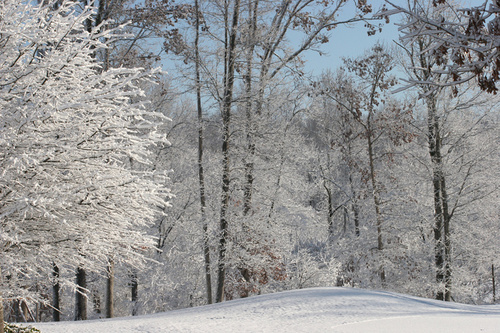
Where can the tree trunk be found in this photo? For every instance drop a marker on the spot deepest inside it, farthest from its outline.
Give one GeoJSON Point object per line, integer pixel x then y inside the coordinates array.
{"type": "Point", "coordinates": [354, 206]}
{"type": "Point", "coordinates": [249, 163]}
{"type": "Point", "coordinates": [56, 297]}
{"type": "Point", "coordinates": [16, 306]}
{"type": "Point", "coordinates": [81, 297]}
{"type": "Point", "coordinates": [25, 311]}
{"type": "Point", "coordinates": [134, 291]}
{"type": "Point", "coordinates": [446, 240]}
{"type": "Point", "coordinates": [441, 214]}
{"type": "Point", "coordinates": [226, 117]}
{"type": "Point", "coordinates": [110, 287]}
{"type": "Point", "coordinates": [442, 243]}
{"type": "Point", "coordinates": [96, 300]}
{"type": "Point", "coordinates": [201, 177]}
{"type": "Point", "coordinates": [493, 283]}
{"type": "Point", "coordinates": [331, 227]}
{"type": "Point", "coordinates": [2, 328]}
{"type": "Point", "coordinates": [376, 200]}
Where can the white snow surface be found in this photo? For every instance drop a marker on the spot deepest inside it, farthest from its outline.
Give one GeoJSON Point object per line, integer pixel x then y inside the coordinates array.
{"type": "Point", "coordinates": [339, 310]}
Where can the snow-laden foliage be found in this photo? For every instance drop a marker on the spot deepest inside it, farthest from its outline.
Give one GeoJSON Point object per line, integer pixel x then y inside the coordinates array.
{"type": "Point", "coordinates": [73, 189]}
{"type": "Point", "coordinates": [464, 40]}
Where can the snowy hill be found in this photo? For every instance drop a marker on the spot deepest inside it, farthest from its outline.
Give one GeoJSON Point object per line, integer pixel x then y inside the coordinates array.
{"type": "Point", "coordinates": [309, 310]}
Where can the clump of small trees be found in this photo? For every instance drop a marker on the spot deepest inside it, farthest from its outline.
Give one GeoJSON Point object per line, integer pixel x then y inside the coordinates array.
{"type": "Point", "coordinates": [75, 191]}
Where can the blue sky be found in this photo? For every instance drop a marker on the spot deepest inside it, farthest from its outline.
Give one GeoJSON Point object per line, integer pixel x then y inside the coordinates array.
{"type": "Point", "coordinates": [349, 41]}
{"type": "Point", "coordinates": [353, 41]}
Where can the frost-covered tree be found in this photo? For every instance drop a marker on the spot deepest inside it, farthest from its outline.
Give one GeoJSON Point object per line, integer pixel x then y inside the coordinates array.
{"type": "Point", "coordinates": [380, 121]}
{"type": "Point", "coordinates": [433, 73]}
{"type": "Point", "coordinates": [361, 133]}
{"type": "Point", "coordinates": [68, 137]}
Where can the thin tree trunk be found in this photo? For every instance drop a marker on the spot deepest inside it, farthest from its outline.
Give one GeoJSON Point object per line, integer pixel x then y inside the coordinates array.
{"type": "Point", "coordinates": [446, 240]}
{"type": "Point", "coordinates": [56, 298]}
{"type": "Point", "coordinates": [354, 206]}
{"type": "Point", "coordinates": [201, 177]}
{"type": "Point", "coordinates": [226, 117]}
{"type": "Point", "coordinates": [81, 297]}
{"type": "Point", "coordinates": [369, 132]}
{"type": "Point", "coordinates": [376, 200]}
{"type": "Point", "coordinates": [110, 290]}
{"type": "Point", "coordinates": [249, 164]}
{"type": "Point", "coordinates": [493, 283]}
{"type": "Point", "coordinates": [331, 210]}
{"type": "Point", "coordinates": [331, 229]}
{"type": "Point", "coordinates": [134, 291]}
{"type": "Point", "coordinates": [2, 328]}
{"type": "Point", "coordinates": [249, 158]}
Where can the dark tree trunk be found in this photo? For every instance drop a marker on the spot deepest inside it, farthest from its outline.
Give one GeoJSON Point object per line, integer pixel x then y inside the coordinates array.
{"type": "Point", "coordinates": [226, 117]}
{"type": "Point", "coordinates": [354, 206]}
{"type": "Point", "coordinates": [441, 213]}
{"type": "Point", "coordinates": [493, 283]}
{"type": "Point", "coordinates": [201, 177]}
{"type": "Point", "coordinates": [96, 300]}
{"type": "Point", "coordinates": [110, 290]}
{"type": "Point", "coordinates": [134, 290]}
{"type": "Point", "coordinates": [81, 296]}
{"type": "Point", "coordinates": [249, 164]}
{"type": "Point", "coordinates": [331, 227]}
{"type": "Point", "coordinates": [56, 297]}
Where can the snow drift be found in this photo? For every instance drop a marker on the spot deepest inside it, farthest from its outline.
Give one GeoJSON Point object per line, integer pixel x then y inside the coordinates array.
{"type": "Point", "coordinates": [309, 310]}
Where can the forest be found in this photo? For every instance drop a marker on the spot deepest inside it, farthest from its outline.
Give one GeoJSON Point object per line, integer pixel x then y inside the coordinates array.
{"type": "Point", "coordinates": [161, 154]}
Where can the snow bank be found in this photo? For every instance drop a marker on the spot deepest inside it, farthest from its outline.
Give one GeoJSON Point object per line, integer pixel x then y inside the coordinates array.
{"type": "Point", "coordinates": [343, 310]}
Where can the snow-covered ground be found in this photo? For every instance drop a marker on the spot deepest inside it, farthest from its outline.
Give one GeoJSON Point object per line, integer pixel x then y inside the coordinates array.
{"type": "Point", "coordinates": [309, 310]}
